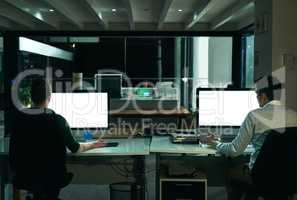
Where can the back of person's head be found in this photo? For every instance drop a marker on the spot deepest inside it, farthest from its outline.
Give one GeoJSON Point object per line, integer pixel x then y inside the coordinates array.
{"type": "Point", "coordinates": [269, 86]}
{"type": "Point", "coordinates": [40, 91]}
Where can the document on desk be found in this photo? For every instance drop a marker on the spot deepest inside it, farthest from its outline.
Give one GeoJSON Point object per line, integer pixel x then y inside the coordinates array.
{"type": "Point", "coordinates": [162, 144]}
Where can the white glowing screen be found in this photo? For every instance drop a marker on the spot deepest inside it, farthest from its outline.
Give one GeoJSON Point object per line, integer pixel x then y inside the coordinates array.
{"type": "Point", "coordinates": [82, 110]}
{"type": "Point", "coordinates": [225, 108]}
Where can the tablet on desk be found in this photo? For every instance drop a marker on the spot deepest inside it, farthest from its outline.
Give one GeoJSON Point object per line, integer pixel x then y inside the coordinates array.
{"type": "Point", "coordinates": [111, 144]}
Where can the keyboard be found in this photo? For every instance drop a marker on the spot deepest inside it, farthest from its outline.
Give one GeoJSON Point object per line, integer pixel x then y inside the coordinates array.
{"type": "Point", "coordinates": [185, 132]}
{"type": "Point", "coordinates": [185, 139]}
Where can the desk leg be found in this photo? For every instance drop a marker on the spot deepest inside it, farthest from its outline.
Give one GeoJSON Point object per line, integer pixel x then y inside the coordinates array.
{"type": "Point", "coordinates": [158, 168]}
{"type": "Point", "coordinates": [180, 123]}
{"type": "Point", "coordinates": [2, 180]}
{"type": "Point", "coordinates": [151, 169]}
{"type": "Point", "coordinates": [139, 172]}
{"type": "Point", "coordinates": [2, 190]}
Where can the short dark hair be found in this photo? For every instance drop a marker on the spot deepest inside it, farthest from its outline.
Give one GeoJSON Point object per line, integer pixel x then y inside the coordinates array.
{"type": "Point", "coordinates": [40, 91]}
{"type": "Point", "coordinates": [270, 86]}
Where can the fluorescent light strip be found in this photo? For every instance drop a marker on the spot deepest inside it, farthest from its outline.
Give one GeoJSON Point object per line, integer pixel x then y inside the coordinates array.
{"type": "Point", "coordinates": [33, 46]}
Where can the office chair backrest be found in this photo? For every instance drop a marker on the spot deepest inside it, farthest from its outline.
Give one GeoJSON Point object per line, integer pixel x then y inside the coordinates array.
{"type": "Point", "coordinates": [275, 170]}
{"type": "Point", "coordinates": [35, 150]}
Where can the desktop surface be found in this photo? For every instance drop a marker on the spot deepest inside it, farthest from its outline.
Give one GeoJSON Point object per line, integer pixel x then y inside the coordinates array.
{"type": "Point", "coordinates": [124, 147]}
{"type": "Point", "coordinates": [140, 146]}
{"type": "Point", "coordinates": [111, 144]}
{"type": "Point", "coordinates": [163, 144]}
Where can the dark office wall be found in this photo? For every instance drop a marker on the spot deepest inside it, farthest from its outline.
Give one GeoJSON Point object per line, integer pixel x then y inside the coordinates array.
{"type": "Point", "coordinates": [168, 57]}
{"type": "Point", "coordinates": [64, 66]}
{"type": "Point", "coordinates": [142, 54]}
{"type": "Point", "coordinates": [107, 54]}
{"type": "Point", "coordinates": [137, 57]}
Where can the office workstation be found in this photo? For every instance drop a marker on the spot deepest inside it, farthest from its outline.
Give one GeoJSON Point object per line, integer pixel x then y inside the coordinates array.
{"type": "Point", "coordinates": [185, 107]}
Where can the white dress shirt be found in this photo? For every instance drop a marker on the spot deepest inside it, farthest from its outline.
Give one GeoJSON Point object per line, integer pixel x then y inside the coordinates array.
{"type": "Point", "coordinates": [273, 115]}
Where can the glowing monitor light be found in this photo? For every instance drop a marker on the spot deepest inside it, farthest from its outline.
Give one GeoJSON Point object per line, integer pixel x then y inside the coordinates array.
{"type": "Point", "coordinates": [225, 107]}
{"type": "Point", "coordinates": [82, 110]}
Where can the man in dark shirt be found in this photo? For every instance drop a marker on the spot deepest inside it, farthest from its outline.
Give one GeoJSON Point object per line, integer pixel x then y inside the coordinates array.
{"type": "Point", "coordinates": [38, 146]}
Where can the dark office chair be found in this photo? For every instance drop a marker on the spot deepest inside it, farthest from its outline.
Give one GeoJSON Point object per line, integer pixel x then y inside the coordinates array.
{"type": "Point", "coordinates": [41, 188]}
{"type": "Point", "coordinates": [274, 173]}
{"type": "Point", "coordinates": [37, 166]}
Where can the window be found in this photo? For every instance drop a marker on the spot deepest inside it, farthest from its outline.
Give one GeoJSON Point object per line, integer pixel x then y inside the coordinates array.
{"type": "Point", "coordinates": [1, 89]}
{"type": "Point", "coordinates": [1, 67]}
{"type": "Point", "coordinates": [212, 63]}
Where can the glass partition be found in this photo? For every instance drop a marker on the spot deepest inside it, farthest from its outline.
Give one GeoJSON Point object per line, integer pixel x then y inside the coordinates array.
{"type": "Point", "coordinates": [158, 74]}
{"type": "Point", "coordinates": [152, 67]}
{"type": "Point", "coordinates": [1, 89]}
{"type": "Point", "coordinates": [1, 67]}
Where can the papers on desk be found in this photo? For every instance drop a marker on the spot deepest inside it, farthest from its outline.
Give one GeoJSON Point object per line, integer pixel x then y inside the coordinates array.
{"type": "Point", "coordinates": [162, 144]}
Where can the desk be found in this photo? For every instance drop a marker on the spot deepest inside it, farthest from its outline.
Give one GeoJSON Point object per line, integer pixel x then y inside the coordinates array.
{"type": "Point", "coordinates": [162, 144]}
{"type": "Point", "coordinates": [135, 149]}
{"type": "Point", "coordinates": [153, 152]}
{"type": "Point", "coordinates": [201, 157]}
{"type": "Point", "coordinates": [126, 147]}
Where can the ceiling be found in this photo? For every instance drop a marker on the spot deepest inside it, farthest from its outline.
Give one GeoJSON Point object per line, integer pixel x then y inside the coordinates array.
{"type": "Point", "coordinates": [152, 15]}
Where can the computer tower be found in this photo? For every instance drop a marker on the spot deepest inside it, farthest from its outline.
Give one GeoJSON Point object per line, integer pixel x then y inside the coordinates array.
{"type": "Point", "coordinates": [183, 188]}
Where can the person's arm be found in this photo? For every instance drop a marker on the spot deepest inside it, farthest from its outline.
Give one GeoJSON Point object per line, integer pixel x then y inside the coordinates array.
{"type": "Point", "coordinates": [90, 145]}
{"type": "Point", "coordinates": [71, 143]}
{"type": "Point", "coordinates": [239, 144]}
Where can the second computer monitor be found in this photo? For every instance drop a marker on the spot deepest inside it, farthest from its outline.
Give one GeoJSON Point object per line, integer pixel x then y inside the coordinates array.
{"type": "Point", "coordinates": [217, 107]}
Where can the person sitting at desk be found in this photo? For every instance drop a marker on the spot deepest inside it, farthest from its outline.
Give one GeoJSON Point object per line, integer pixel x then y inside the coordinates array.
{"type": "Point", "coordinates": [38, 144]}
{"type": "Point", "coordinates": [272, 114]}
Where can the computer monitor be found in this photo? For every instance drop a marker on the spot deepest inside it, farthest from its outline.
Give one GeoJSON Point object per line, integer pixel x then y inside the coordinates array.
{"type": "Point", "coordinates": [218, 107]}
{"type": "Point", "coordinates": [82, 110]}
{"type": "Point", "coordinates": [110, 83]}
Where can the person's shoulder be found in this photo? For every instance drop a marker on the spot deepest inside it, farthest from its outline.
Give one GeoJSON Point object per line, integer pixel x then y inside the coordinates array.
{"type": "Point", "coordinates": [257, 110]}
{"type": "Point", "coordinates": [253, 115]}
{"type": "Point", "coordinates": [60, 120]}
{"type": "Point", "coordinates": [55, 116]}
{"type": "Point", "coordinates": [254, 112]}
